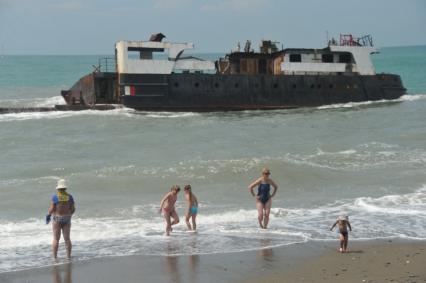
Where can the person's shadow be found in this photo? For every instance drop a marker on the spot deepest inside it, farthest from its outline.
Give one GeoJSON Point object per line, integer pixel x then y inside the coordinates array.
{"type": "Point", "coordinates": [67, 273]}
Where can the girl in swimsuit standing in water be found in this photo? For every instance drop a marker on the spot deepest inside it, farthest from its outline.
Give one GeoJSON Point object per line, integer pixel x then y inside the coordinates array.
{"type": "Point", "coordinates": [264, 196]}
{"type": "Point", "coordinates": [167, 206]}
{"type": "Point", "coordinates": [192, 202]}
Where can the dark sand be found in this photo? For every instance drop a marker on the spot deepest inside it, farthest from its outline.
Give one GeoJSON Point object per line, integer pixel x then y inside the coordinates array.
{"type": "Point", "coordinates": [377, 261]}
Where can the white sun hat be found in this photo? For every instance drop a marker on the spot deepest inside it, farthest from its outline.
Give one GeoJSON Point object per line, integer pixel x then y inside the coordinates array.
{"type": "Point", "coordinates": [62, 184]}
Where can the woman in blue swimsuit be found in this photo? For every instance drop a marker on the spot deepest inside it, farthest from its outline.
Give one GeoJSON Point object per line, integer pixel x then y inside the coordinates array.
{"type": "Point", "coordinates": [263, 196]}
{"type": "Point", "coordinates": [192, 203]}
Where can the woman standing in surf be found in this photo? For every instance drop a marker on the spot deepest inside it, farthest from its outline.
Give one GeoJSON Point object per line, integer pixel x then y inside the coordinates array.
{"type": "Point", "coordinates": [264, 196]}
{"type": "Point", "coordinates": [167, 206]}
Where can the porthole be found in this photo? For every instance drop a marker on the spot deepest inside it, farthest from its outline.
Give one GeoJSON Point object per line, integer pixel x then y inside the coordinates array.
{"type": "Point", "coordinates": [312, 85]}
{"type": "Point", "coordinates": [294, 86]}
{"type": "Point", "coordinates": [196, 84]}
{"type": "Point", "coordinates": [176, 84]}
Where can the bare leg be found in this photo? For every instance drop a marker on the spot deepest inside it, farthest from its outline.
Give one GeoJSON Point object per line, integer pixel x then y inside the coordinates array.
{"type": "Point", "coordinates": [168, 223]}
{"type": "Point", "coordinates": [342, 240]}
{"type": "Point", "coordinates": [259, 206]}
{"type": "Point", "coordinates": [267, 208]}
{"type": "Point", "coordinates": [187, 216]}
{"type": "Point", "coordinates": [194, 224]}
{"type": "Point", "coordinates": [66, 231]}
{"type": "Point", "coordinates": [345, 243]}
{"type": "Point", "coordinates": [175, 217]}
{"type": "Point", "coordinates": [56, 237]}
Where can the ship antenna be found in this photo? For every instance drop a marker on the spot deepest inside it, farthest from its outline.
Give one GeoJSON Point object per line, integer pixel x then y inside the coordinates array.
{"type": "Point", "coordinates": [328, 40]}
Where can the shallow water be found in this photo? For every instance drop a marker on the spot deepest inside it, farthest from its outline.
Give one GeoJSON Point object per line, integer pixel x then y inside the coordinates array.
{"type": "Point", "coordinates": [363, 159]}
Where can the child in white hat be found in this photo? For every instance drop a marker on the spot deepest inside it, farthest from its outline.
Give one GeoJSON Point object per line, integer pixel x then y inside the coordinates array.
{"type": "Point", "coordinates": [343, 222]}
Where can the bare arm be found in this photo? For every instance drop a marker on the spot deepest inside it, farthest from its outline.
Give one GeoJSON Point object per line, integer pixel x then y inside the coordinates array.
{"type": "Point", "coordinates": [275, 187]}
{"type": "Point", "coordinates": [72, 208]}
{"type": "Point", "coordinates": [195, 200]}
{"type": "Point", "coordinates": [164, 199]}
{"type": "Point", "coordinates": [332, 227]}
{"type": "Point", "coordinates": [51, 209]}
{"type": "Point", "coordinates": [188, 201]}
{"type": "Point", "coordinates": [349, 225]}
{"type": "Point", "coordinates": [254, 184]}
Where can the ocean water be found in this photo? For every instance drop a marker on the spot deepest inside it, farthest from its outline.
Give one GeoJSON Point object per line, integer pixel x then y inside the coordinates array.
{"type": "Point", "coordinates": [367, 160]}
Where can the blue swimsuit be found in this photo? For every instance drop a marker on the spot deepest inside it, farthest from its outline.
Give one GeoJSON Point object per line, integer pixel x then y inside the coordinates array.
{"type": "Point", "coordinates": [263, 192]}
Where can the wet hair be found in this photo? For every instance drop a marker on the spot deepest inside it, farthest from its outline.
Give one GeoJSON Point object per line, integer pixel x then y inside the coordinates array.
{"type": "Point", "coordinates": [266, 170]}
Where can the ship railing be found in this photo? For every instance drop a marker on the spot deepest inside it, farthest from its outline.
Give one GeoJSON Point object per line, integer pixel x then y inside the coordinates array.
{"type": "Point", "coordinates": [349, 40]}
{"type": "Point", "coordinates": [105, 64]}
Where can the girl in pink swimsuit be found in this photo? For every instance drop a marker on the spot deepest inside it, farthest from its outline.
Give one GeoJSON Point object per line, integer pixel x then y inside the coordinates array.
{"type": "Point", "coordinates": [167, 206]}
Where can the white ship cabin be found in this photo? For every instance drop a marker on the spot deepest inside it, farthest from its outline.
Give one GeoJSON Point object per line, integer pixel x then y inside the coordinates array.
{"type": "Point", "coordinates": [350, 55]}
{"type": "Point", "coordinates": [156, 57]}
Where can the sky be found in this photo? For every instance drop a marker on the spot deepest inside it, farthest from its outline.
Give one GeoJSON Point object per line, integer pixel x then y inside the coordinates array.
{"type": "Point", "coordinates": [93, 26]}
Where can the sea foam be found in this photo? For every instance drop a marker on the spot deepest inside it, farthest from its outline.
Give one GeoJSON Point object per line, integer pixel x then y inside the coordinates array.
{"type": "Point", "coordinates": [126, 233]}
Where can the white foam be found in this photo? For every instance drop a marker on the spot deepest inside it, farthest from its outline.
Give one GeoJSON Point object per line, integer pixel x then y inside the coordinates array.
{"type": "Point", "coordinates": [362, 157]}
{"type": "Point", "coordinates": [412, 97]}
{"type": "Point", "coordinates": [407, 97]}
{"type": "Point", "coordinates": [139, 229]}
{"type": "Point", "coordinates": [61, 114]}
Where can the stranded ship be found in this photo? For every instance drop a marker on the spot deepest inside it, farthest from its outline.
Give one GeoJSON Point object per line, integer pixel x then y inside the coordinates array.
{"type": "Point", "coordinates": [156, 76]}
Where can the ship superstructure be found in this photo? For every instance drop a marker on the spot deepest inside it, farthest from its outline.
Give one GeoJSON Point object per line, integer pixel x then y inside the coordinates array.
{"type": "Point", "coordinates": [155, 75]}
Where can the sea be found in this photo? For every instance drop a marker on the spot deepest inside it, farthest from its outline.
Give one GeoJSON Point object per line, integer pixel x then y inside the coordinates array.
{"type": "Point", "coordinates": [366, 160]}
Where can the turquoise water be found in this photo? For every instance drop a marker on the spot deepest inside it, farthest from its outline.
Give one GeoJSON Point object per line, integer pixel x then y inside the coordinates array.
{"type": "Point", "coordinates": [62, 71]}
{"type": "Point", "coordinates": [367, 160]}
{"type": "Point", "coordinates": [408, 62]}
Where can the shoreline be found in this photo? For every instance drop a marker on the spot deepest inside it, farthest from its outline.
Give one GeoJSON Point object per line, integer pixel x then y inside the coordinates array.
{"type": "Point", "coordinates": [381, 260]}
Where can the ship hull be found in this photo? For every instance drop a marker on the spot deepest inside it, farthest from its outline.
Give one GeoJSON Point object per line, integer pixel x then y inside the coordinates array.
{"type": "Point", "coordinates": [210, 92]}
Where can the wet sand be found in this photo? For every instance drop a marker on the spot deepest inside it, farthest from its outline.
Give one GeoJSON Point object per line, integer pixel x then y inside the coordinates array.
{"type": "Point", "coordinates": [377, 261]}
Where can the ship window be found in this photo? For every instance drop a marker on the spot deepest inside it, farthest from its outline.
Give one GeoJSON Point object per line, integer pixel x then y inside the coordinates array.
{"type": "Point", "coordinates": [294, 85]}
{"type": "Point", "coordinates": [345, 58]}
{"type": "Point", "coordinates": [196, 84]}
{"type": "Point", "coordinates": [327, 58]}
{"type": "Point", "coordinates": [176, 84]}
{"type": "Point", "coordinates": [312, 85]}
{"type": "Point", "coordinates": [295, 58]}
{"type": "Point", "coordinates": [216, 84]}
{"type": "Point", "coordinates": [135, 55]}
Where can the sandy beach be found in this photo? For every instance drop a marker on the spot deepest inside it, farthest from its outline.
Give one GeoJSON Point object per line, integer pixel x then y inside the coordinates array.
{"type": "Point", "coordinates": [374, 261]}
{"type": "Point", "coordinates": [379, 261]}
